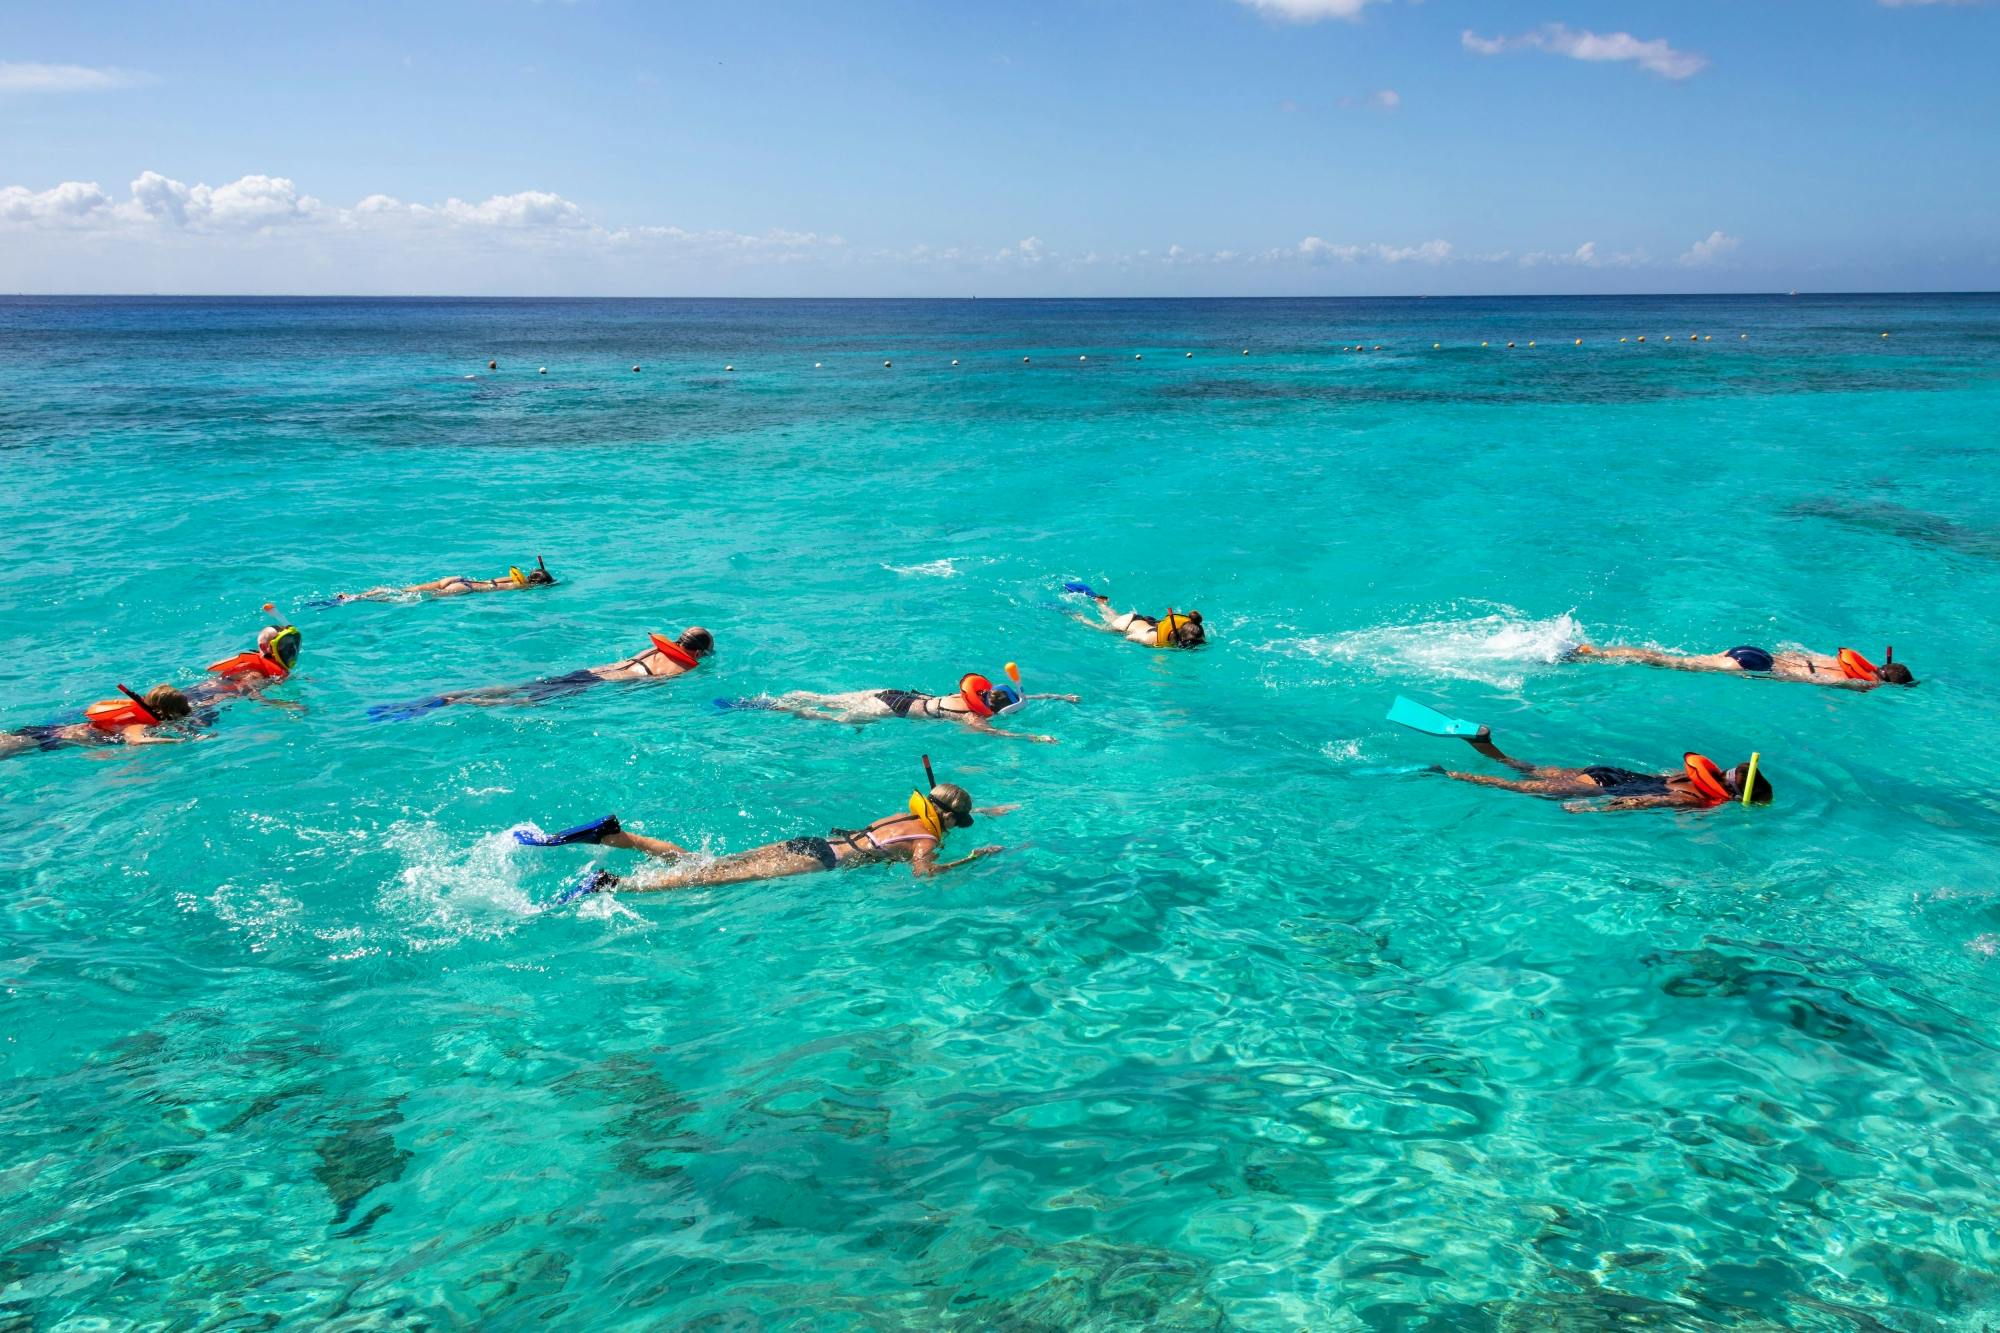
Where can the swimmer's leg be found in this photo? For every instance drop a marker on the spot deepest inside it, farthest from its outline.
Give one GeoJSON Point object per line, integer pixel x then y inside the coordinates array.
{"type": "Point", "coordinates": [776, 861]}
{"type": "Point", "coordinates": [639, 842]}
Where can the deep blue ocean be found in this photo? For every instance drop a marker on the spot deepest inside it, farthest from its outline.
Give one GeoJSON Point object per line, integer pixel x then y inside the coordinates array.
{"type": "Point", "coordinates": [1247, 1028]}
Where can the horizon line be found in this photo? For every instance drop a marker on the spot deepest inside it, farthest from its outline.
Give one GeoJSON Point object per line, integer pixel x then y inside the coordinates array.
{"type": "Point", "coordinates": [968, 297]}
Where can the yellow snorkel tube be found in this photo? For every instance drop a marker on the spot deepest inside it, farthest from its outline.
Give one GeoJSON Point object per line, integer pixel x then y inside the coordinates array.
{"type": "Point", "coordinates": [1750, 779]}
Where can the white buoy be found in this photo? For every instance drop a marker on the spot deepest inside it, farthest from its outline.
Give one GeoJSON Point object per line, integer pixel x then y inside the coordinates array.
{"type": "Point", "coordinates": [543, 371]}
{"type": "Point", "coordinates": [1378, 347]}
{"type": "Point", "coordinates": [1531, 342]}
{"type": "Point", "coordinates": [885, 365]}
{"type": "Point", "coordinates": [1624, 340]}
{"type": "Point", "coordinates": [1744, 336]}
{"type": "Point", "coordinates": [1510, 345]}
{"type": "Point", "coordinates": [726, 368]}
{"type": "Point", "coordinates": [1885, 335]}
{"type": "Point", "coordinates": [954, 361]}
{"type": "Point", "coordinates": [1136, 356]}
{"type": "Point", "coordinates": [1642, 337]}
{"type": "Point", "coordinates": [1246, 351]}
{"type": "Point", "coordinates": [635, 370]}
{"type": "Point", "coordinates": [1435, 346]}
{"type": "Point", "coordinates": [1188, 355]}
{"type": "Point", "coordinates": [1579, 342]}
{"type": "Point", "coordinates": [1484, 343]}
{"type": "Point", "coordinates": [815, 365]}
{"type": "Point", "coordinates": [1083, 358]}
{"type": "Point", "coordinates": [1024, 360]}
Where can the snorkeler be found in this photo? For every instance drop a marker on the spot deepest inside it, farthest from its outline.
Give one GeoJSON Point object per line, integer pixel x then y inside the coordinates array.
{"type": "Point", "coordinates": [977, 702]}
{"type": "Point", "coordinates": [666, 659]}
{"type": "Point", "coordinates": [513, 580]}
{"type": "Point", "coordinates": [1847, 669]}
{"type": "Point", "coordinates": [162, 715]}
{"type": "Point", "coordinates": [915, 836]}
{"type": "Point", "coordinates": [1700, 784]}
{"type": "Point", "coordinates": [277, 652]}
{"type": "Point", "coordinates": [1173, 630]}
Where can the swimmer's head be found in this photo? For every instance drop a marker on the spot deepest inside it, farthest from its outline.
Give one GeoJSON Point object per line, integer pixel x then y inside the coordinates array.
{"type": "Point", "coordinates": [1734, 779]}
{"type": "Point", "coordinates": [954, 804]}
{"type": "Point", "coordinates": [280, 643]}
{"type": "Point", "coordinates": [1895, 673]}
{"type": "Point", "coordinates": [1188, 633]}
{"type": "Point", "coordinates": [540, 575]}
{"type": "Point", "coordinates": [696, 641]}
{"type": "Point", "coordinates": [167, 703]}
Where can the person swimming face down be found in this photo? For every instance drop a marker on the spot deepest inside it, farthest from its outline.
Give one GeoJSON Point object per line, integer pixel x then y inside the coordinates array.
{"type": "Point", "coordinates": [1188, 631]}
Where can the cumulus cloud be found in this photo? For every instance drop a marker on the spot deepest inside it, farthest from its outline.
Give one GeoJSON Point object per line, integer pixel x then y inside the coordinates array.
{"type": "Point", "coordinates": [1716, 245]}
{"type": "Point", "coordinates": [29, 77]}
{"type": "Point", "coordinates": [1557, 39]}
{"type": "Point", "coordinates": [245, 204]}
{"type": "Point", "coordinates": [1309, 11]}
{"type": "Point", "coordinates": [71, 204]}
{"type": "Point", "coordinates": [1318, 250]}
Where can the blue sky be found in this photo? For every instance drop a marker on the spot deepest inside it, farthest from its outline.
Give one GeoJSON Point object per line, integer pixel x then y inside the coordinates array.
{"type": "Point", "coordinates": [1103, 147]}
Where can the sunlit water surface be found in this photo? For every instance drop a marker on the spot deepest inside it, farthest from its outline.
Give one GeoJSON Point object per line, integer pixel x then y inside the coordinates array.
{"type": "Point", "coordinates": [1242, 1030]}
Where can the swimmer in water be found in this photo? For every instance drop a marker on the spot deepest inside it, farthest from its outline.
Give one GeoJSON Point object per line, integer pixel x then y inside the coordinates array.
{"type": "Point", "coordinates": [1846, 670]}
{"type": "Point", "coordinates": [976, 704]}
{"type": "Point", "coordinates": [1173, 630]}
{"type": "Point", "coordinates": [1601, 787]}
{"type": "Point", "coordinates": [276, 654]}
{"type": "Point", "coordinates": [456, 585]}
{"type": "Point", "coordinates": [666, 659]}
{"type": "Point", "coordinates": [915, 836]}
{"type": "Point", "coordinates": [161, 716]}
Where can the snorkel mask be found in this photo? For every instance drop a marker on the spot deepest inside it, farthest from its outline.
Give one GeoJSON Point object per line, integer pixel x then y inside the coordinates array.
{"type": "Point", "coordinates": [285, 642]}
{"type": "Point", "coordinates": [284, 646]}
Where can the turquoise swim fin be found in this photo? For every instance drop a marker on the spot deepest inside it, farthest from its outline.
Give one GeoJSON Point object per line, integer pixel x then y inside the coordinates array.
{"type": "Point", "coordinates": [1411, 714]}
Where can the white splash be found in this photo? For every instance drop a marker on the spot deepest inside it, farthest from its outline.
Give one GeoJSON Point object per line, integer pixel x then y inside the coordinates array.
{"type": "Point", "coordinates": [1496, 647]}
{"type": "Point", "coordinates": [936, 569]}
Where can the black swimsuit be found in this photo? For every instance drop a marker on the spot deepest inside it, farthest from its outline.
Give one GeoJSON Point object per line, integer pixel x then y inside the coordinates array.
{"type": "Point", "coordinates": [1625, 782]}
{"type": "Point", "coordinates": [900, 702]}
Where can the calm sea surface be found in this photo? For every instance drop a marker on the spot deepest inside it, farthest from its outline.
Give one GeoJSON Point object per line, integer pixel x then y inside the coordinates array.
{"type": "Point", "coordinates": [1246, 1029]}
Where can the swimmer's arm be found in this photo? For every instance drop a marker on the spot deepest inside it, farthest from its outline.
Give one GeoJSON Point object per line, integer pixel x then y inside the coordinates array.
{"type": "Point", "coordinates": [1621, 803]}
{"type": "Point", "coordinates": [143, 736]}
{"type": "Point", "coordinates": [981, 724]}
{"type": "Point", "coordinates": [1060, 698]}
{"type": "Point", "coordinates": [924, 862]}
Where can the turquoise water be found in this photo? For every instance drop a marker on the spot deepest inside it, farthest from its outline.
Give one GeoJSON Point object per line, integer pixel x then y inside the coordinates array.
{"type": "Point", "coordinates": [1240, 1031]}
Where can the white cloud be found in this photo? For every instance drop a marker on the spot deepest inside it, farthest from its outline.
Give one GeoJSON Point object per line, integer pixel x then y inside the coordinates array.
{"type": "Point", "coordinates": [1319, 251]}
{"type": "Point", "coordinates": [1309, 11]}
{"type": "Point", "coordinates": [1557, 39]}
{"type": "Point", "coordinates": [71, 204]}
{"type": "Point", "coordinates": [1386, 98]}
{"type": "Point", "coordinates": [246, 204]}
{"type": "Point", "coordinates": [29, 77]}
{"type": "Point", "coordinates": [1715, 246]}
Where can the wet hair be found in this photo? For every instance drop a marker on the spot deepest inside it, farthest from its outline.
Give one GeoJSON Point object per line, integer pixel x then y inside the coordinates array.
{"type": "Point", "coordinates": [540, 575]}
{"type": "Point", "coordinates": [1895, 673]}
{"type": "Point", "coordinates": [1189, 633]}
{"type": "Point", "coordinates": [167, 703]}
{"type": "Point", "coordinates": [697, 641]}
{"type": "Point", "coordinates": [954, 804]}
{"type": "Point", "coordinates": [1761, 795]}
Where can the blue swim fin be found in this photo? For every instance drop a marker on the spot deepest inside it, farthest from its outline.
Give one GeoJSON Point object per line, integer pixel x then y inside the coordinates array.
{"type": "Point", "coordinates": [403, 712]}
{"type": "Point", "coordinates": [754, 704]}
{"type": "Point", "coordinates": [1411, 714]}
{"type": "Point", "coordinates": [1077, 585]}
{"type": "Point", "coordinates": [592, 833]}
{"type": "Point", "coordinates": [590, 881]}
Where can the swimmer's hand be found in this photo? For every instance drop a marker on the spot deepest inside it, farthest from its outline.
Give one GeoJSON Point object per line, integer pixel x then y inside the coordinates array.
{"type": "Point", "coordinates": [1583, 650]}
{"type": "Point", "coordinates": [1043, 740]}
{"type": "Point", "coordinates": [978, 852]}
